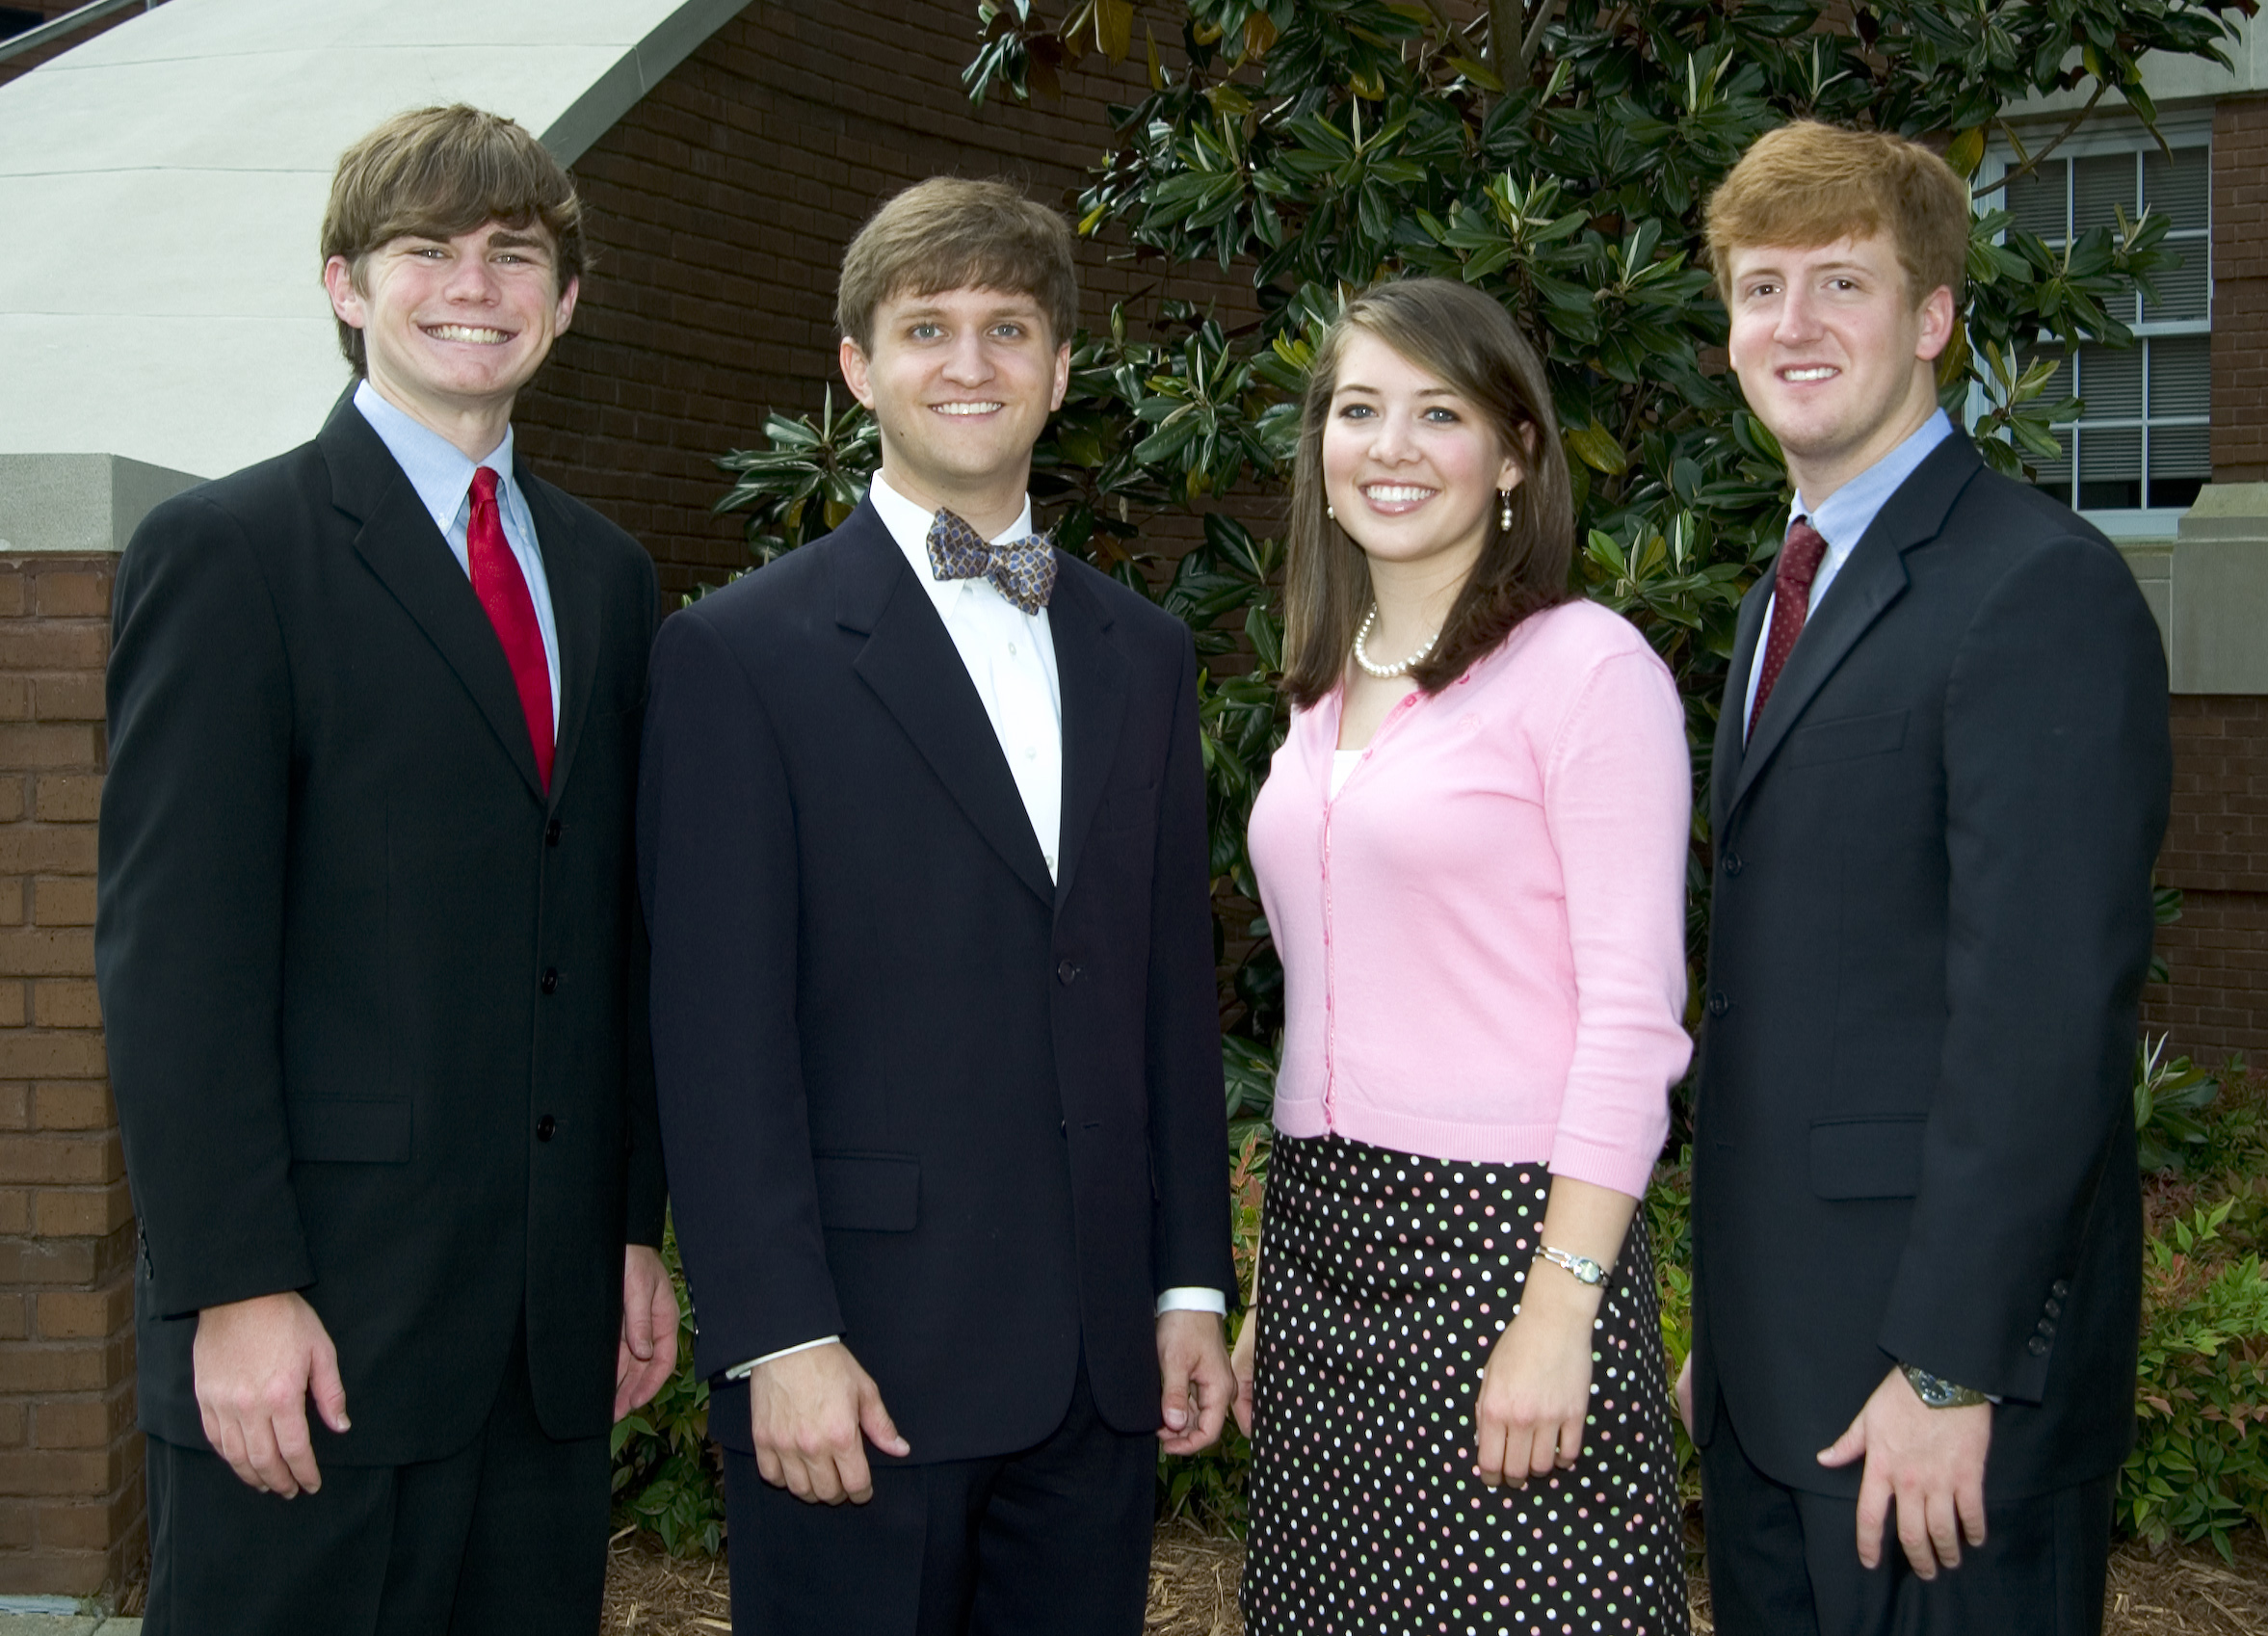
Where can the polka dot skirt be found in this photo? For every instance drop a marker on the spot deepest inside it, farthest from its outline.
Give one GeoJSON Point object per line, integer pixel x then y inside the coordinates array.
{"type": "Point", "coordinates": [1386, 1280]}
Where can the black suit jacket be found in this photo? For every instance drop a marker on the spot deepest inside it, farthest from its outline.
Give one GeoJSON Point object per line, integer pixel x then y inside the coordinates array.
{"type": "Point", "coordinates": [914, 1093]}
{"type": "Point", "coordinates": [374, 1001]}
{"type": "Point", "coordinates": [1914, 1136]}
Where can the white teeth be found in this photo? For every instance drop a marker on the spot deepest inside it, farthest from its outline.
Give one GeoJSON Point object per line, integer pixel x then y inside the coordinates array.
{"type": "Point", "coordinates": [466, 333]}
{"type": "Point", "coordinates": [1396, 493]}
{"type": "Point", "coordinates": [1821, 373]}
{"type": "Point", "coordinates": [964, 409]}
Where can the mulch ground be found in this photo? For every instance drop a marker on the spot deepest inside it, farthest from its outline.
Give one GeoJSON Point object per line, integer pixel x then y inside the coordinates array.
{"type": "Point", "coordinates": [2187, 1591]}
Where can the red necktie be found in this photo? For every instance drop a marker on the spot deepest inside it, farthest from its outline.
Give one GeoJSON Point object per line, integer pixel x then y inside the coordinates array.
{"type": "Point", "coordinates": [503, 590]}
{"type": "Point", "coordinates": [1800, 555]}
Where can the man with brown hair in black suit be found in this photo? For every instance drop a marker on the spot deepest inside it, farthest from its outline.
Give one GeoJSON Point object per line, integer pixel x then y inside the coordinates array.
{"type": "Point", "coordinates": [370, 962]}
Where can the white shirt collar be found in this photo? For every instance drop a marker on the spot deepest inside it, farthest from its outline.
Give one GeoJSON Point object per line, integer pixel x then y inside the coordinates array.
{"type": "Point", "coordinates": [908, 525]}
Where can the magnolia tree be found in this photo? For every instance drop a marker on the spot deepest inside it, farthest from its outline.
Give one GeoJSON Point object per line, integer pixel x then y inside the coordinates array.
{"type": "Point", "coordinates": [1557, 156]}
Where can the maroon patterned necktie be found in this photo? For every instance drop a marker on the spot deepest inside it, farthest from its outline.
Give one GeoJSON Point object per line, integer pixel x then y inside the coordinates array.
{"type": "Point", "coordinates": [1800, 556]}
{"type": "Point", "coordinates": [1022, 570]}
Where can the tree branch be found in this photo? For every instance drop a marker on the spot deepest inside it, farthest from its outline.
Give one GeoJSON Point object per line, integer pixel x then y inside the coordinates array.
{"type": "Point", "coordinates": [1504, 38]}
{"type": "Point", "coordinates": [1535, 35]}
{"type": "Point", "coordinates": [2061, 137]}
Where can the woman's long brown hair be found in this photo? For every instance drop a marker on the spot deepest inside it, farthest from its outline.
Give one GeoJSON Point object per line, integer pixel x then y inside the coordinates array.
{"type": "Point", "coordinates": [1470, 343]}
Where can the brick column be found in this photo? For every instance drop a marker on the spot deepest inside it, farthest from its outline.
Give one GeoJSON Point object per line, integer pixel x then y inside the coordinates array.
{"type": "Point", "coordinates": [70, 1460]}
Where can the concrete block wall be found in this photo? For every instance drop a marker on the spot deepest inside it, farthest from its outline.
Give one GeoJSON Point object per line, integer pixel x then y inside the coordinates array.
{"type": "Point", "coordinates": [70, 1460]}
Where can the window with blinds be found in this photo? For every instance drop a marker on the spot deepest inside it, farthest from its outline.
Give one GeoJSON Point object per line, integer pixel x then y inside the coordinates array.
{"type": "Point", "coordinates": [2143, 440]}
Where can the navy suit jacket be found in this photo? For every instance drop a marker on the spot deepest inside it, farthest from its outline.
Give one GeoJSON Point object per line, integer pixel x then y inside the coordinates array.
{"type": "Point", "coordinates": [1914, 1132]}
{"type": "Point", "coordinates": [913, 1092]}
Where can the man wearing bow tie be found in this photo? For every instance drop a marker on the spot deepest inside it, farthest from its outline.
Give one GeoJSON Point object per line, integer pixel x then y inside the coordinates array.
{"type": "Point", "coordinates": [922, 844]}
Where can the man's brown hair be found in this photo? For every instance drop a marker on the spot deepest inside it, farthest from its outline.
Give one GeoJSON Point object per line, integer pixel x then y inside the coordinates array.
{"type": "Point", "coordinates": [435, 173]}
{"type": "Point", "coordinates": [1808, 184]}
{"type": "Point", "coordinates": [1470, 343]}
{"type": "Point", "coordinates": [952, 233]}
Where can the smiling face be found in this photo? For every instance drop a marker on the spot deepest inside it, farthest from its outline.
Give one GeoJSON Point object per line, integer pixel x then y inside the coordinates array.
{"type": "Point", "coordinates": [1411, 467]}
{"type": "Point", "coordinates": [961, 384]}
{"type": "Point", "coordinates": [453, 328]}
{"type": "Point", "coordinates": [1833, 355]}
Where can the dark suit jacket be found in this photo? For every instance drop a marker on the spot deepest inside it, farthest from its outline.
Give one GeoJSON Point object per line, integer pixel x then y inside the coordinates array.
{"type": "Point", "coordinates": [1914, 1138]}
{"type": "Point", "coordinates": [373, 1002]}
{"type": "Point", "coordinates": [914, 1093]}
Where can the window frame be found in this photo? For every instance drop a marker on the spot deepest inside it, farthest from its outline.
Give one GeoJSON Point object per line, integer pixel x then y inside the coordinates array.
{"type": "Point", "coordinates": [2119, 133]}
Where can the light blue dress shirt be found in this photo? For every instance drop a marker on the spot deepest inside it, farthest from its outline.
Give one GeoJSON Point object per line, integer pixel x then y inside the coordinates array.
{"type": "Point", "coordinates": [1842, 520]}
{"type": "Point", "coordinates": [438, 470]}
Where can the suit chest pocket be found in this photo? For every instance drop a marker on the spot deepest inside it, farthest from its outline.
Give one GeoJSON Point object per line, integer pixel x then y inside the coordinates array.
{"type": "Point", "coordinates": [1847, 739]}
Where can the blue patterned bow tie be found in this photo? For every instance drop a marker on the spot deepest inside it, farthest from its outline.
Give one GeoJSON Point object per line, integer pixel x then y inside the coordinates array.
{"type": "Point", "coordinates": [1022, 570]}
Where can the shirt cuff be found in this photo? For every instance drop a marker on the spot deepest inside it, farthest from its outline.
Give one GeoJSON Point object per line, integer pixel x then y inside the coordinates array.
{"type": "Point", "coordinates": [1193, 1300]}
{"type": "Point", "coordinates": [742, 1371]}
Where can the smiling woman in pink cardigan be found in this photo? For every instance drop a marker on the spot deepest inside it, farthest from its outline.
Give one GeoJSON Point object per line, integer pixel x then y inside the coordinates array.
{"type": "Point", "coordinates": [1471, 852]}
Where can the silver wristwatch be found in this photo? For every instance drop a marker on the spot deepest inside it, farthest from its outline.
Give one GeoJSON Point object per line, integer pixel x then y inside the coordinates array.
{"type": "Point", "coordinates": [1939, 1393]}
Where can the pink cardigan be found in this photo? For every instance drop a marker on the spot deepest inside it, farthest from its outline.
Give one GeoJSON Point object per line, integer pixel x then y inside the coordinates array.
{"type": "Point", "coordinates": [1483, 933]}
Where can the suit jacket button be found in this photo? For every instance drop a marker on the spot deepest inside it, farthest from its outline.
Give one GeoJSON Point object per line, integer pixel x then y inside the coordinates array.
{"type": "Point", "coordinates": [544, 1126]}
{"type": "Point", "coordinates": [2055, 1308]}
{"type": "Point", "coordinates": [2036, 1346]}
{"type": "Point", "coordinates": [1733, 863]}
{"type": "Point", "coordinates": [550, 983]}
{"type": "Point", "coordinates": [551, 833]}
{"type": "Point", "coordinates": [2047, 1327]}
{"type": "Point", "coordinates": [1064, 971]}
{"type": "Point", "coordinates": [1719, 1005]}
{"type": "Point", "coordinates": [2059, 1289]}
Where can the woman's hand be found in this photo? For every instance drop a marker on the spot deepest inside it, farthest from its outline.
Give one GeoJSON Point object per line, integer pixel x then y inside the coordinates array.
{"type": "Point", "coordinates": [1240, 1365]}
{"type": "Point", "coordinates": [1535, 1392]}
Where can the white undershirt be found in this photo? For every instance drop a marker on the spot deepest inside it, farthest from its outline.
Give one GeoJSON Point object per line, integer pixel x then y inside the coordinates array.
{"type": "Point", "coordinates": [1342, 762]}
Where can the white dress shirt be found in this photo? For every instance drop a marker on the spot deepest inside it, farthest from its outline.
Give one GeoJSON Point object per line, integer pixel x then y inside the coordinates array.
{"type": "Point", "coordinates": [1011, 660]}
{"type": "Point", "coordinates": [442, 477]}
{"type": "Point", "coordinates": [1842, 520]}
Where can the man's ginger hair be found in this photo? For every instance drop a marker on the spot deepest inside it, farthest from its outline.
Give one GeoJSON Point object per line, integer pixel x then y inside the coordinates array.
{"type": "Point", "coordinates": [1808, 184]}
{"type": "Point", "coordinates": [952, 233]}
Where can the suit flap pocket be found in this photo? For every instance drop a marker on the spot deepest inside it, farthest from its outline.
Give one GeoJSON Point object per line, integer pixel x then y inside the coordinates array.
{"type": "Point", "coordinates": [342, 1131]}
{"type": "Point", "coordinates": [1878, 1157]}
{"type": "Point", "coordinates": [868, 1192]}
{"type": "Point", "coordinates": [1848, 739]}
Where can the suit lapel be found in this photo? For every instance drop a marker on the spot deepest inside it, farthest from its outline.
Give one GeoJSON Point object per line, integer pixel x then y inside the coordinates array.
{"type": "Point", "coordinates": [576, 615]}
{"type": "Point", "coordinates": [1870, 581]}
{"type": "Point", "coordinates": [911, 664]}
{"type": "Point", "coordinates": [1092, 672]}
{"type": "Point", "coordinates": [1725, 761]}
{"type": "Point", "coordinates": [398, 540]}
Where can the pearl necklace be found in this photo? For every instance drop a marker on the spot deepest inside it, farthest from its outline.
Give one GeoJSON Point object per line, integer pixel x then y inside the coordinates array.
{"type": "Point", "coordinates": [1401, 667]}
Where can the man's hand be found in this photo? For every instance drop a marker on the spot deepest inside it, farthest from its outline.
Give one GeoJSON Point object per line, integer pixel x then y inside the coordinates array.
{"type": "Point", "coordinates": [1194, 1366]}
{"type": "Point", "coordinates": [806, 1412]}
{"type": "Point", "coordinates": [255, 1364]}
{"type": "Point", "coordinates": [648, 1354]}
{"type": "Point", "coordinates": [1685, 1393]}
{"type": "Point", "coordinates": [1931, 1460]}
{"type": "Point", "coordinates": [1240, 1366]}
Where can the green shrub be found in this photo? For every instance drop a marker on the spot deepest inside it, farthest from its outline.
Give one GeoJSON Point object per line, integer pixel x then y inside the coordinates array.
{"type": "Point", "coordinates": [667, 1479]}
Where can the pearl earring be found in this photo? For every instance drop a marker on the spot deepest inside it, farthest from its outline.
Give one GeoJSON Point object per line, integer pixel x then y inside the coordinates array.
{"type": "Point", "coordinates": [1504, 509]}
{"type": "Point", "coordinates": [1330, 511]}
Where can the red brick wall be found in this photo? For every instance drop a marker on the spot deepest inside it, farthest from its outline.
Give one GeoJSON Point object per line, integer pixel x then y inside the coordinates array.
{"type": "Point", "coordinates": [719, 207]}
{"type": "Point", "coordinates": [2240, 290]}
{"type": "Point", "coordinates": [70, 1462]}
{"type": "Point", "coordinates": [2217, 853]}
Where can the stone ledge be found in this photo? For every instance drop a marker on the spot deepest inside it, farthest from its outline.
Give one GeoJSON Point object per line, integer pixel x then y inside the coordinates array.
{"type": "Point", "coordinates": [79, 504]}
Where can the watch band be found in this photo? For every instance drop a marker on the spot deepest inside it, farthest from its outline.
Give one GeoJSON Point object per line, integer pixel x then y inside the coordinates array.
{"type": "Point", "coordinates": [1939, 1393]}
{"type": "Point", "coordinates": [1584, 1269]}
